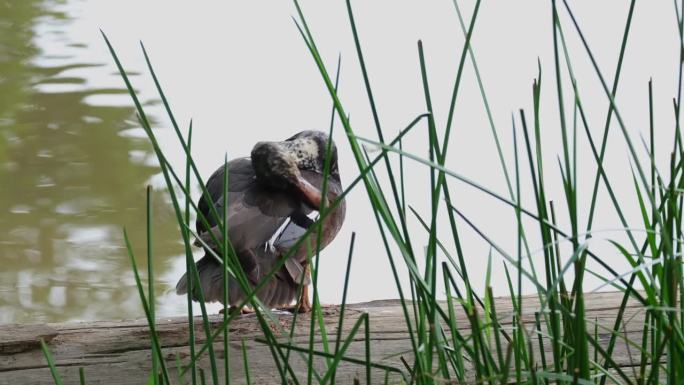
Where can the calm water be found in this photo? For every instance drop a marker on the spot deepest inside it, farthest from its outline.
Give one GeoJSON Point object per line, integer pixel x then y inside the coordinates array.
{"type": "Point", "coordinates": [72, 175]}
{"type": "Point", "coordinates": [74, 163]}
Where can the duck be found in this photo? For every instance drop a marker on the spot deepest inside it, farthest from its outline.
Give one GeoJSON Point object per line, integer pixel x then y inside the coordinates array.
{"type": "Point", "coordinates": [274, 197]}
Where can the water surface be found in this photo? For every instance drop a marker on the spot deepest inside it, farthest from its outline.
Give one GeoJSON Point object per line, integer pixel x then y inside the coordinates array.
{"type": "Point", "coordinates": [72, 176]}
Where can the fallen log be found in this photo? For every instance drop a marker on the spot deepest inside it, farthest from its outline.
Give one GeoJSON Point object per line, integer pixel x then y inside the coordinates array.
{"type": "Point", "coordinates": [118, 352]}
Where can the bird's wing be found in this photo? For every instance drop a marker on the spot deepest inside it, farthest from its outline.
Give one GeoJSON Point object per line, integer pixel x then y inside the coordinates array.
{"type": "Point", "coordinates": [299, 223]}
{"type": "Point", "coordinates": [254, 213]}
{"type": "Point", "coordinates": [286, 239]}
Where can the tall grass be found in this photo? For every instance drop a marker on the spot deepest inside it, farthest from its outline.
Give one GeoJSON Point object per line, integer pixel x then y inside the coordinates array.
{"type": "Point", "coordinates": [563, 345]}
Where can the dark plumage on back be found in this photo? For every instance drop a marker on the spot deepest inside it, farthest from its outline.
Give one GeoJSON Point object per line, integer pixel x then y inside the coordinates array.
{"type": "Point", "coordinates": [270, 197]}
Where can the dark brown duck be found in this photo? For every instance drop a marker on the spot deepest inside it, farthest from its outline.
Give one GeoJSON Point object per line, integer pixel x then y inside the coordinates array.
{"type": "Point", "coordinates": [272, 196]}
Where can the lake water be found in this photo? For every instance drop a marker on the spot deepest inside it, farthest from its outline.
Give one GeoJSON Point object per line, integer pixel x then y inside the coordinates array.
{"type": "Point", "coordinates": [74, 162]}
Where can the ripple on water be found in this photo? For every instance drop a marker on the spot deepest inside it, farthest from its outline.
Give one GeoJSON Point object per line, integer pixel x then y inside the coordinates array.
{"type": "Point", "coordinates": [44, 153]}
{"type": "Point", "coordinates": [24, 234]}
{"type": "Point", "coordinates": [92, 119]}
{"type": "Point", "coordinates": [21, 209]}
{"type": "Point", "coordinates": [57, 88]}
{"type": "Point", "coordinates": [90, 234]}
{"type": "Point", "coordinates": [45, 181]}
{"type": "Point", "coordinates": [108, 100]}
{"type": "Point", "coordinates": [72, 207]}
{"type": "Point", "coordinates": [136, 132]}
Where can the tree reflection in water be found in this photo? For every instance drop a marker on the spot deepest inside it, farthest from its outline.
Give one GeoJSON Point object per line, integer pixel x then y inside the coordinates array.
{"type": "Point", "coordinates": [70, 179]}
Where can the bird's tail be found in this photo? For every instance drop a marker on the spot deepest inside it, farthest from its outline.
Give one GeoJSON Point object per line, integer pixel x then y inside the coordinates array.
{"type": "Point", "coordinates": [211, 278]}
{"type": "Point", "coordinates": [279, 291]}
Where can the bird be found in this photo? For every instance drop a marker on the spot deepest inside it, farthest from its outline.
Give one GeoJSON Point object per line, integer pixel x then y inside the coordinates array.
{"type": "Point", "coordinates": [272, 196]}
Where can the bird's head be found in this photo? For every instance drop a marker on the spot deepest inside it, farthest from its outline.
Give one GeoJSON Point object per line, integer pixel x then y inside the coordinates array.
{"type": "Point", "coordinates": [279, 164]}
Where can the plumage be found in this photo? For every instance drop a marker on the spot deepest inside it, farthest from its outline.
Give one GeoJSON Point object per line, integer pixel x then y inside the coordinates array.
{"type": "Point", "coordinates": [271, 199]}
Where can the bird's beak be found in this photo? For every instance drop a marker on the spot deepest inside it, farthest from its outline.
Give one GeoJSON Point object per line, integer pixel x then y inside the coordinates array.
{"type": "Point", "coordinates": [312, 195]}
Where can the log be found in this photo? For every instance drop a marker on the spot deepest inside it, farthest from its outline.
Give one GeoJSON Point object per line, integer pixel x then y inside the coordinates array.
{"type": "Point", "coordinates": [118, 352]}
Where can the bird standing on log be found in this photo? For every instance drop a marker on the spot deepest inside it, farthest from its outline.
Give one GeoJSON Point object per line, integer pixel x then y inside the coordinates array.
{"type": "Point", "coordinates": [271, 196]}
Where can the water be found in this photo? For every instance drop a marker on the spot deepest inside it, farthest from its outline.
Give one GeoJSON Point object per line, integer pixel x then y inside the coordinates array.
{"type": "Point", "coordinates": [72, 175]}
{"type": "Point", "coordinates": [74, 162]}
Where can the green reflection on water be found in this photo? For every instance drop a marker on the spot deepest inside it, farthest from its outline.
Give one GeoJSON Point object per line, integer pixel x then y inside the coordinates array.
{"type": "Point", "coordinates": [69, 181]}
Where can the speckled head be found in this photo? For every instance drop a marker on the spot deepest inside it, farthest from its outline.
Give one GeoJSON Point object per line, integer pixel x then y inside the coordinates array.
{"type": "Point", "coordinates": [278, 165]}
{"type": "Point", "coordinates": [308, 148]}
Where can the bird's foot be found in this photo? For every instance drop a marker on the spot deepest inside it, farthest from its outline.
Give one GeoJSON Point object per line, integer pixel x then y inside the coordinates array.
{"type": "Point", "coordinates": [304, 307]}
{"type": "Point", "coordinates": [237, 311]}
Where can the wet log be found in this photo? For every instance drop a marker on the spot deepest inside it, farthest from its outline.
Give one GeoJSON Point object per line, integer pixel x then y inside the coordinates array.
{"type": "Point", "coordinates": [118, 352]}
